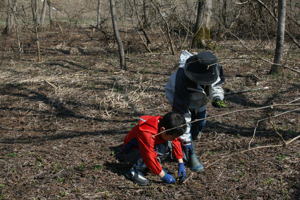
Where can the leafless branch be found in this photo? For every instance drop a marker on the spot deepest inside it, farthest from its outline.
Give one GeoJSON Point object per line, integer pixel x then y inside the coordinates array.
{"type": "Point", "coordinates": [228, 113]}
{"type": "Point", "coordinates": [253, 51]}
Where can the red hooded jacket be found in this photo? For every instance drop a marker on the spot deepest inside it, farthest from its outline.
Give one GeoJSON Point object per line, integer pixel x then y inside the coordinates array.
{"type": "Point", "coordinates": [140, 137]}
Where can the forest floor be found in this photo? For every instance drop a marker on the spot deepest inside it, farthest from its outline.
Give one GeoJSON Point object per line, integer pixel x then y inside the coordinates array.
{"type": "Point", "coordinates": [62, 120]}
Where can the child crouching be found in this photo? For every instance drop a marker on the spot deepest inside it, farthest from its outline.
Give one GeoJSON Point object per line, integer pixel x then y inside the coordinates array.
{"type": "Point", "coordinates": [144, 151]}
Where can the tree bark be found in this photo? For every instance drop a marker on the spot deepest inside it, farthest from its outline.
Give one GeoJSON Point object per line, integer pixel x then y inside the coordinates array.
{"type": "Point", "coordinates": [43, 12]}
{"type": "Point", "coordinates": [35, 11]}
{"type": "Point", "coordinates": [10, 18]}
{"type": "Point", "coordinates": [117, 35]}
{"type": "Point", "coordinates": [201, 37]}
{"type": "Point", "coordinates": [98, 14]}
{"type": "Point", "coordinates": [276, 67]}
{"type": "Point", "coordinates": [146, 23]}
{"type": "Point", "coordinates": [13, 9]}
{"type": "Point", "coordinates": [50, 13]}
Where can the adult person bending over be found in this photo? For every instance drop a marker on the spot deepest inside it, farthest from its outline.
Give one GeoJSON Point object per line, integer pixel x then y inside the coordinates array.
{"type": "Point", "coordinates": [197, 81]}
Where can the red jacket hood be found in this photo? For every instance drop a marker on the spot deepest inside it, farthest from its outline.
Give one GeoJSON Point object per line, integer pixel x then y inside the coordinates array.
{"type": "Point", "coordinates": [149, 123]}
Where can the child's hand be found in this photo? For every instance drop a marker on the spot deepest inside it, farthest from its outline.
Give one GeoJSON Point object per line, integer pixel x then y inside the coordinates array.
{"type": "Point", "coordinates": [168, 178]}
{"type": "Point", "coordinates": [181, 172]}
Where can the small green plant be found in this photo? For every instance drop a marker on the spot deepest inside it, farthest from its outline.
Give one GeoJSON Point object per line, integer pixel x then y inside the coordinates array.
{"type": "Point", "coordinates": [284, 192]}
{"type": "Point", "coordinates": [39, 158]}
{"type": "Point", "coordinates": [269, 181]}
{"type": "Point", "coordinates": [62, 193]}
{"type": "Point", "coordinates": [55, 167]}
{"type": "Point", "coordinates": [277, 75]}
{"type": "Point", "coordinates": [60, 179]}
{"type": "Point", "coordinates": [235, 179]}
{"type": "Point", "coordinates": [14, 154]}
{"type": "Point", "coordinates": [281, 157]}
{"type": "Point", "coordinates": [81, 166]}
{"type": "Point", "coordinates": [91, 85]}
{"type": "Point", "coordinates": [98, 167]}
{"type": "Point", "coordinates": [106, 193]}
{"type": "Point", "coordinates": [221, 103]}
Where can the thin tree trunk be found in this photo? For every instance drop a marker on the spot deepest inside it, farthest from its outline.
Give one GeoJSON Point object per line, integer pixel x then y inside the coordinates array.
{"type": "Point", "coordinates": [9, 20]}
{"type": "Point", "coordinates": [13, 9]}
{"type": "Point", "coordinates": [145, 17]}
{"type": "Point", "coordinates": [25, 14]}
{"type": "Point", "coordinates": [36, 20]}
{"type": "Point", "coordinates": [276, 67]}
{"type": "Point", "coordinates": [274, 17]}
{"type": "Point", "coordinates": [168, 28]}
{"type": "Point", "coordinates": [224, 12]}
{"type": "Point", "coordinates": [38, 44]}
{"type": "Point", "coordinates": [35, 11]}
{"type": "Point", "coordinates": [98, 14]}
{"type": "Point", "coordinates": [43, 12]}
{"type": "Point", "coordinates": [117, 35]}
{"type": "Point", "coordinates": [141, 27]}
{"type": "Point", "coordinates": [33, 6]}
{"type": "Point", "coordinates": [200, 13]}
{"type": "Point", "coordinates": [50, 13]}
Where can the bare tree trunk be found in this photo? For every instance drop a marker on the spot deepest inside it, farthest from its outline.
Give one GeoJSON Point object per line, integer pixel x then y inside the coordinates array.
{"type": "Point", "coordinates": [117, 35]}
{"type": "Point", "coordinates": [35, 11]}
{"type": "Point", "coordinates": [145, 16]}
{"type": "Point", "coordinates": [98, 14]}
{"type": "Point", "coordinates": [43, 12]}
{"type": "Point", "coordinates": [38, 44]}
{"type": "Point", "coordinates": [10, 19]}
{"type": "Point", "coordinates": [36, 20]}
{"type": "Point", "coordinates": [274, 17]}
{"type": "Point", "coordinates": [276, 67]}
{"type": "Point", "coordinates": [13, 9]}
{"type": "Point", "coordinates": [202, 28]}
{"type": "Point", "coordinates": [50, 13]}
{"type": "Point", "coordinates": [224, 12]}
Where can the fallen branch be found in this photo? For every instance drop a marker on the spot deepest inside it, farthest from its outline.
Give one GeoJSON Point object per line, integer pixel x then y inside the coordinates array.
{"type": "Point", "coordinates": [274, 127]}
{"type": "Point", "coordinates": [261, 147]}
{"type": "Point", "coordinates": [258, 121]}
{"type": "Point", "coordinates": [145, 44]}
{"type": "Point", "coordinates": [51, 84]}
{"type": "Point", "coordinates": [244, 91]}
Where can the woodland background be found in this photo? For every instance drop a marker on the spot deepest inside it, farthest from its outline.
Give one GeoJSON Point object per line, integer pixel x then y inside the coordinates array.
{"type": "Point", "coordinates": [73, 82]}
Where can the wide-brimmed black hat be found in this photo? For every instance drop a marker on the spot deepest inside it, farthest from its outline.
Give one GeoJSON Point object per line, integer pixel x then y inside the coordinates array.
{"type": "Point", "coordinates": [202, 68]}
